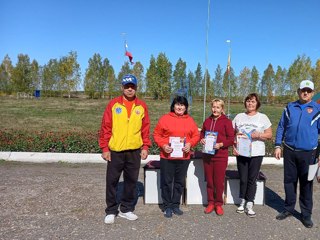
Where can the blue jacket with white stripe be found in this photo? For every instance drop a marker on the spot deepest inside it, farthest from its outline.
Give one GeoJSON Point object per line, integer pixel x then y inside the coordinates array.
{"type": "Point", "coordinates": [299, 126]}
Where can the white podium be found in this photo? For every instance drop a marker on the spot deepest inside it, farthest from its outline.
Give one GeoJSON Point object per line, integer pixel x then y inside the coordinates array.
{"type": "Point", "coordinates": [152, 184]}
{"type": "Point", "coordinates": [152, 190]}
{"type": "Point", "coordinates": [196, 186]}
{"type": "Point", "coordinates": [232, 188]}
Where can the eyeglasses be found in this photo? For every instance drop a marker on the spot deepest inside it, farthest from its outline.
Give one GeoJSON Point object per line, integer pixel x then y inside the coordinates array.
{"type": "Point", "coordinates": [308, 90]}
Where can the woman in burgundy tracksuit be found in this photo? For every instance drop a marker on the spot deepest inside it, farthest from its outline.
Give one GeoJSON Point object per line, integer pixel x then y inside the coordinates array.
{"type": "Point", "coordinates": [215, 165]}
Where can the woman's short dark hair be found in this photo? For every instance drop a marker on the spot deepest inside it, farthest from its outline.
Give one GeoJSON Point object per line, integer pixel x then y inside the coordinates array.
{"type": "Point", "coordinates": [180, 100]}
{"type": "Point", "coordinates": [251, 96]}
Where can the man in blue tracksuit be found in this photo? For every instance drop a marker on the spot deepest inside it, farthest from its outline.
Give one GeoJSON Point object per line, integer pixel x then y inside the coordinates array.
{"type": "Point", "coordinates": [297, 132]}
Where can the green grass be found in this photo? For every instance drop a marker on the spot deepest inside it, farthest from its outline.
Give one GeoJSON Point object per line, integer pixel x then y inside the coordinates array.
{"type": "Point", "coordinates": [78, 114]}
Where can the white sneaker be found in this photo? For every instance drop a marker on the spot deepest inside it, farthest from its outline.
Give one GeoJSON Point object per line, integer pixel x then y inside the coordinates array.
{"type": "Point", "coordinates": [249, 210]}
{"type": "Point", "coordinates": [240, 209]}
{"type": "Point", "coordinates": [109, 219]}
{"type": "Point", "coordinates": [128, 215]}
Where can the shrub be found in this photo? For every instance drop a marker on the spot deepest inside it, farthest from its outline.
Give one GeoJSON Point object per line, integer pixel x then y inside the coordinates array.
{"type": "Point", "coordinates": [65, 142]}
{"type": "Point", "coordinates": [62, 142]}
{"type": "Point", "coordinates": [69, 142]}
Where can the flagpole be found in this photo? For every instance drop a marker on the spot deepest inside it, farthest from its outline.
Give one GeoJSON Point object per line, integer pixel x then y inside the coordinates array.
{"type": "Point", "coordinates": [228, 72]}
{"type": "Point", "coordinates": [206, 65]}
{"type": "Point", "coordinates": [125, 44]}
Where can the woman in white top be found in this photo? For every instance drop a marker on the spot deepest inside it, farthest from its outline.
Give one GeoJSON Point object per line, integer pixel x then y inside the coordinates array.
{"type": "Point", "coordinates": [256, 127]}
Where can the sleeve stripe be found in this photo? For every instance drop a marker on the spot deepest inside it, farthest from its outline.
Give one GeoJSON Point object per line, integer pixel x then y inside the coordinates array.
{"type": "Point", "coordinates": [286, 110]}
{"type": "Point", "coordinates": [315, 118]}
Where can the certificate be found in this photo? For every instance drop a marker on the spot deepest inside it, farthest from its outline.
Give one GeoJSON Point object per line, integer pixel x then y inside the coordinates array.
{"type": "Point", "coordinates": [313, 168]}
{"type": "Point", "coordinates": [244, 144]}
{"type": "Point", "coordinates": [177, 143]}
{"type": "Point", "coordinates": [211, 140]}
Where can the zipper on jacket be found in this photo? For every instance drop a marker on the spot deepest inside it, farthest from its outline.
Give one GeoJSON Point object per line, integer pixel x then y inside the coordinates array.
{"type": "Point", "coordinates": [128, 122]}
{"type": "Point", "coordinates": [298, 125]}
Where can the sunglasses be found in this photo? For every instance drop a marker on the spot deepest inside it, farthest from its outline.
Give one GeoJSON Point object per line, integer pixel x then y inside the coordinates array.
{"type": "Point", "coordinates": [308, 90]}
{"type": "Point", "coordinates": [127, 86]}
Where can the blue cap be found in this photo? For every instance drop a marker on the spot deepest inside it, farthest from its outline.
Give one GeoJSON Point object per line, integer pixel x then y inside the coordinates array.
{"type": "Point", "coordinates": [129, 78]}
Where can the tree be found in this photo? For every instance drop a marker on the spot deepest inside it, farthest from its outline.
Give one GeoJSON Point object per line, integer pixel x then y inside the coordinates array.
{"type": "Point", "coordinates": [254, 79]}
{"type": "Point", "coordinates": [94, 76]}
{"type": "Point", "coordinates": [35, 75]}
{"type": "Point", "coordinates": [244, 81]}
{"type": "Point", "coordinates": [138, 71]}
{"type": "Point", "coordinates": [69, 72]}
{"type": "Point", "coordinates": [103, 81]}
{"type": "Point", "coordinates": [113, 86]}
{"type": "Point", "coordinates": [179, 76]}
{"type": "Point", "coordinates": [50, 77]}
{"type": "Point", "coordinates": [267, 83]}
{"type": "Point", "coordinates": [233, 86]}
{"type": "Point", "coordinates": [299, 70]}
{"type": "Point", "coordinates": [229, 84]}
{"type": "Point", "coordinates": [217, 82]}
{"type": "Point", "coordinates": [6, 70]}
{"type": "Point", "coordinates": [197, 84]}
{"type": "Point", "coordinates": [280, 83]}
{"type": "Point", "coordinates": [209, 87]}
{"type": "Point", "coordinates": [97, 76]}
{"type": "Point", "coordinates": [151, 79]}
{"type": "Point", "coordinates": [191, 80]}
{"type": "Point", "coordinates": [164, 74]}
{"type": "Point", "coordinates": [225, 84]}
{"type": "Point", "coordinates": [316, 75]}
{"type": "Point", "coordinates": [21, 75]}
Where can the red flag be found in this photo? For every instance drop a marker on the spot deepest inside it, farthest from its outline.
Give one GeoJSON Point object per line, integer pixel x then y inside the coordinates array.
{"type": "Point", "coordinates": [129, 55]}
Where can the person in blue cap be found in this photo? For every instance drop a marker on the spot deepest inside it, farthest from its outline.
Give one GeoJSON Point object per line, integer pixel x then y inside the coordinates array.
{"type": "Point", "coordinates": [124, 140]}
{"type": "Point", "coordinates": [297, 134]}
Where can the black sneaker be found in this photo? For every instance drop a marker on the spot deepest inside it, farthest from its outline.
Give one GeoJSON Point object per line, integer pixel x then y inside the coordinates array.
{"type": "Point", "coordinates": [177, 211]}
{"type": "Point", "coordinates": [283, 215]}
{"type": "Point", "coordinates": [307, 222]}
{"type": "Point", "coordinates": [168, 213]}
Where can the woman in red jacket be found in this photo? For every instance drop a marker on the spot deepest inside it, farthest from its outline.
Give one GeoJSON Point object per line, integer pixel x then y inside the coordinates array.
{"type": "Point", "coordinates": [175, 133]}
{"type": "Point", "coordinates": [215, 163]}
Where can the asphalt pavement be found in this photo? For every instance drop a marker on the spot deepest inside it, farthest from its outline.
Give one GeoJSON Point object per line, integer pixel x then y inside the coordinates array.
{"type": "Point", "coordinates": [67, 201]}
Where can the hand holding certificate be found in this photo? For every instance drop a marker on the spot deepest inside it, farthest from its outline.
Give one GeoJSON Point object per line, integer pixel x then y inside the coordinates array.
{"type": "Point", "coordinates": [244, 144]}
{"type": "Point", "coordinates": [211, 140]}
{"type": "Point", "coordinates": [176, 143]}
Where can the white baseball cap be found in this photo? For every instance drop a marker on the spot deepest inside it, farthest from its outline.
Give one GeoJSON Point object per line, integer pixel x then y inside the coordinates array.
{"type": "Point", "coordinates": [307, 84]}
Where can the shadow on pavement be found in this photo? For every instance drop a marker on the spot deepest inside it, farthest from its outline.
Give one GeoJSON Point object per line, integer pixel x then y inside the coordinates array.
{"type": "Point", "coordinates": [274, 201]}
{"type": "Point", "coordinates": [140, 191]}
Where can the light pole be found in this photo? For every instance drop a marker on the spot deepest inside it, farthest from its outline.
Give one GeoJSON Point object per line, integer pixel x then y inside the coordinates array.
{"type": "Point", "coordinates": [228, 72]}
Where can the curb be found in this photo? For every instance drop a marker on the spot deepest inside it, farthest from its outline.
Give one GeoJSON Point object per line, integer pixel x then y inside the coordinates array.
{"type": "Point", "coordinates": [41, 157]}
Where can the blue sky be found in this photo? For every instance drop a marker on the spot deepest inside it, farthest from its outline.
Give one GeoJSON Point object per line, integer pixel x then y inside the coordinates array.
{"type": "Point", "coordinates": [261, 32]}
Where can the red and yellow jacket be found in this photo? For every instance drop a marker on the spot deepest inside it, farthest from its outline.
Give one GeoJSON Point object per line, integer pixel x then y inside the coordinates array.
{"type": "Point", "coordinates": [171, 125]}
{"type": "Point", "coordinates": [120, 133]}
